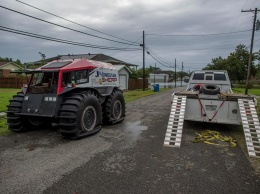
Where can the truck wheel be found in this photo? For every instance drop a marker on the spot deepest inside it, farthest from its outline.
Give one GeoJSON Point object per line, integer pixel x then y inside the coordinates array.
{"type": "Point", "coordinates": [15, 122]}
{"type": "Point", "coordinates": [114, 108]}
{"type": "Point", "coordinates": [80, 115]}
{"type": "Point", "coordinates": [210, 89]}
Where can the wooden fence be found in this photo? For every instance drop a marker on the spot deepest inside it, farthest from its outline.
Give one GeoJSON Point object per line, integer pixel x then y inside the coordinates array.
{"type": "Point", "coordinates": [134, 84]}
{"type": "Point", "coordinates": [17, 82]}
{"type": "Point", "coordinates": [12, 82]}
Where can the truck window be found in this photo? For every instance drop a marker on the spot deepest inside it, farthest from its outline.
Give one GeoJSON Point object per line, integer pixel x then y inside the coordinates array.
{"type": "Point", "coordinates": [198, 76]}
{"type": "Point", "coordinates": [218, 76]}
{"type": "Point", "coordinates": [208, 77]}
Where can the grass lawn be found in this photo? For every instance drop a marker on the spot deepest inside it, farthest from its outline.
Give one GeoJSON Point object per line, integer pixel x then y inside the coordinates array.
{"type": "Point", "coordinates": [136, 94]}
{"type": "Point", "coordinates": [3, 127]}
{"type": "Point", "coordinates": [250, 91]}
{"type": "Point", "coordinates": [6, 94]}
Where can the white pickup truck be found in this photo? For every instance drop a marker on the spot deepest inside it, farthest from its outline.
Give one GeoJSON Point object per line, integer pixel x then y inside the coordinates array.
{"type": "Point", "coordinates": [209, 98]}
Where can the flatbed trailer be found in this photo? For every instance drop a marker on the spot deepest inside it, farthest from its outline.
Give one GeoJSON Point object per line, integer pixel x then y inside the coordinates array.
{"type": "Point", "coordinates": [212, 101]}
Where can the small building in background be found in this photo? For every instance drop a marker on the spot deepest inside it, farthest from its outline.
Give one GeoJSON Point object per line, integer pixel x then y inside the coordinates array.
{"type": "Point", "coordinates": [7, 67]}
{"type": "Point", "coordinates": [124, 74]}
{"type": "Point", "coordinates": [158, 78]}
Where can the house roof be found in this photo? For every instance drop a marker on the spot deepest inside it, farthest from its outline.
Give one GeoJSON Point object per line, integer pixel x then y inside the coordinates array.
{"type": "Point", "coordinates": [2, 64]}
{"type": "Point", "coordinates": [119, 67]}
{"type": "Point", "coordinates": [96, 57]}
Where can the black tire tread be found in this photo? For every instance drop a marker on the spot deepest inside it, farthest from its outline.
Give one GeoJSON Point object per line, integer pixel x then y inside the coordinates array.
{"type": "Point", "coordinates": [107, 107]}
{"type": "Point", "coordinates": [14, 122]}
{"type": "Point", "coordinates": [68, 115]}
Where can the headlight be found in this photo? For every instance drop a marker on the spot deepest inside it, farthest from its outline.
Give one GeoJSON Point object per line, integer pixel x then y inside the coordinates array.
{"type": "Point", "coordinates": [26, 97]}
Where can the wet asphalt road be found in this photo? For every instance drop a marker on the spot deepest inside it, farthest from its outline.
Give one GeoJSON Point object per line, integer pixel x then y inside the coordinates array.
{"type": "Point", "coordinates": [128, 157]}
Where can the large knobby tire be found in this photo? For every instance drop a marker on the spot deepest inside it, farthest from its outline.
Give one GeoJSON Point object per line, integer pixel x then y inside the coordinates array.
{"type": "Point", "coordinates": [114, 108]}
{"type": "Point", "coordinates": [15, 123]}
{"type": "Point", "coordinates": [80, 115]}
{"type": "Point", "coordinates": [210, 89]}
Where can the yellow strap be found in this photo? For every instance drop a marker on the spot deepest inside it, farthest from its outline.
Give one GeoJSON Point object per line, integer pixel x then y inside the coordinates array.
{"type": "Point", "coordinates": [209, 137]}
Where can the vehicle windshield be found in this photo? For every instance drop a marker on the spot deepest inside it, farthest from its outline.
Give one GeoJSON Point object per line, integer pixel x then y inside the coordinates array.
{"type": "Point", "coordinates": [43, 82]}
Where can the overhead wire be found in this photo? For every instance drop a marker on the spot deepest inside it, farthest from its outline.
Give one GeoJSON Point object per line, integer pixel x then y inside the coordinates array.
{"type": "Point", "coordinates": [216, 34]}
{"type": "Point", "coordinates": [126, 47]}
{"type": "Point", "coordinates": [72, 21]}
{"type": "Point", "coordinates": [3, 28]}
{"type": "Point", "coordinates": [160, 60]}
{"type": "Point", "coordinates": [156, 55]}
{"type": "Point", "coordinates": [64, 26]}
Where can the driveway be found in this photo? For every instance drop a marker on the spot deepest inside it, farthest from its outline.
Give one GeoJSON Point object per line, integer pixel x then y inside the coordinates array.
{"type": "Point", "coordinates": [128, 157]}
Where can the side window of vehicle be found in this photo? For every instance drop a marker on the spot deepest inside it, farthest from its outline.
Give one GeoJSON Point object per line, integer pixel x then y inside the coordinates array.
{"type": "Point", "coordinates": [82, 76]}
{"type": "Point", "coordinates": [198, 76]}
{"type": "Point", "coordinates": [66, 79]}
{"type": "Point", "coordinates": [218, 76]}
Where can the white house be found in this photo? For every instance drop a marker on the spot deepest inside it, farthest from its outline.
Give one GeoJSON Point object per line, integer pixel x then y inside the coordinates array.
{"type": "Point", "coordinates": [124, 74]}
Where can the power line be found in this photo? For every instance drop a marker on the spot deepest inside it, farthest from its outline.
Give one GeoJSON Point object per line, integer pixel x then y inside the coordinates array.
{"type": "Point", "coordinates": [156, 55]}
{"type": "Point", "coordinates": [157, 60]}
{"type": "Point", "coordinates": [126, 47]}
{"type": "Point", "coordinates": [161, 61]}
{"type": "Point", "coordinates": [73, 21]}
{"type": "Point", "coordinates": [62, 40]}
{"type": "Point", "coordinates": [224, 33]}
{"type": "Point", "coordinates": [63, 26]}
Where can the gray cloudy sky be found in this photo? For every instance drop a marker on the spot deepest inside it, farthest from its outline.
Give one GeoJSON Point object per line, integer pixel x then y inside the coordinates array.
{"type": "Point", "coordinates": [127, 19]}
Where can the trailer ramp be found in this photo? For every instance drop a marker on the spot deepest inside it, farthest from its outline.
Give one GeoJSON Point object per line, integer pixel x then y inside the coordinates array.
{"type": "Point", "coordinates": [251, 126]}
{"type": "Point", "coordinates": [176, 120]}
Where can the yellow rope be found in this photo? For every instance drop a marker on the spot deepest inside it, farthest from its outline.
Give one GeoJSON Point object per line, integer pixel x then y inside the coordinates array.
{"type": "Point", "coordinates": [210, 137]}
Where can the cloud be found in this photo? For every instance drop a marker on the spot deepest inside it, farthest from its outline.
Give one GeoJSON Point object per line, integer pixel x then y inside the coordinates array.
{"type": "Point", "coordinates": [127, 19]}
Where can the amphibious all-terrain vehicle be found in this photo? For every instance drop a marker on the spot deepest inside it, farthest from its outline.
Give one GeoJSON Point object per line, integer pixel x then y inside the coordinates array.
{"type": "Point", "coordinates": [75, 94]}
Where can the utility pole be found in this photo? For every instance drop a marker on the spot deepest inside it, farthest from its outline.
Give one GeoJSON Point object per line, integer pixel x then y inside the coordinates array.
{"type": "Point", "coordinates": [175, 73]}
{"type": "Point", "coordinates": [154, 74]}
{"type": "Point", "coordinates": [181, 72]}
{"type": "Point", "coordinates": [143, 62]}
{"type": "Point", "coordinates": [251, 48]}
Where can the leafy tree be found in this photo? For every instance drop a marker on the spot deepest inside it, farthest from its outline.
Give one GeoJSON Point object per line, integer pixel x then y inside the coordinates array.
{"type": "Point", "coordinates": [256, 56]}
{"type": "Point", "coordinates": [154, 69]}
{"type": "Point", "coordinates": [236, 64]}
{"type": "Point", "coordinates": [216, 64]}
{"type": "Point", "coordinates": [139, 73]}
{"type": "Point", "coordinates": [180, 74]}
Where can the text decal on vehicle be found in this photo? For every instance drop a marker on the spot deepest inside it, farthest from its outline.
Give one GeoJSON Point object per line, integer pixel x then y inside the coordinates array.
{"type": "Point", "coordinates": [106, 77]}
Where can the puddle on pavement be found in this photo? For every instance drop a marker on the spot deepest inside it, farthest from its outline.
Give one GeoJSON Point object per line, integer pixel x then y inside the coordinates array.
{"type": "Point", "coordinates": [128, 133]}
{"type": "Point", "coordinates": [133, 129]}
